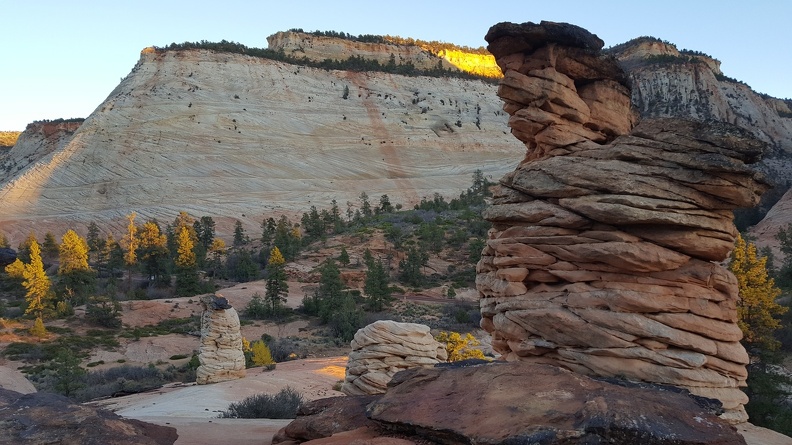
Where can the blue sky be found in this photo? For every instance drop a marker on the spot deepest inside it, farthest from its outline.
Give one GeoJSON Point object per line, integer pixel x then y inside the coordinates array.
{"type": "Point", "coordinates": [61, 59]}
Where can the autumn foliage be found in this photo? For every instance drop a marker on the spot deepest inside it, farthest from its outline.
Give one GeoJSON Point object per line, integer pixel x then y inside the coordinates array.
{"type": "Point", "coordinates": [757, 308]}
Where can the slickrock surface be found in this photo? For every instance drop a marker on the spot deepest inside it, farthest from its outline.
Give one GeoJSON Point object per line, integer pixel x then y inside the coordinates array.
{"type": "Point", "coordinates": [220, 355]}
{"type": "Point", "coordinates": [601, 257]}
{"type": "Point", "coordinates": [237, 137]}
{"type": "Point", "coordinates": [45, 418]}
{"type": "Point", "coordinates": [14, 380]}
{"type": "Point", "coordinates": [511, 403]}
{"type": "Point", "coordinates": [384, 348]}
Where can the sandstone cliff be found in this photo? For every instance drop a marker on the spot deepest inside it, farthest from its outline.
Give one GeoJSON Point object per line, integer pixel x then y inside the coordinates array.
{"type": "Point", "coordinates": [230, 135]}
{"type": "Point", "coordinates": [223, 134]}
{"type": "Point", "coordinates": [668, 83]}
{"type": "Point", "coordinates": [318, 48]}
{"type": "Point", "coordinates": [38, 140]}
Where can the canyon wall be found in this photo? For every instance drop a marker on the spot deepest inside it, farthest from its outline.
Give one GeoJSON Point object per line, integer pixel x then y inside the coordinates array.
{"type": "Point", "coordinates": [237, 137]}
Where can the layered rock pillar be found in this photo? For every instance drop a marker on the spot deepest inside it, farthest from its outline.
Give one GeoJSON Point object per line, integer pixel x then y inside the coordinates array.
{"type": "Point", "coordinates": [385, 347]}
{"type": "Point", "coordinates": [606, 241]}
{"type": "Point", "coordinates": [221, 357]}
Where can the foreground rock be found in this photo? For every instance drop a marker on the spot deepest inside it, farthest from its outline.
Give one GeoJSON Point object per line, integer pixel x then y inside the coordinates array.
{"type": "Point", "coordinates": [492, 404]}
{"type": "Point", "coordinates": [602, 254]}
{"type": "Point", "coordinates": [385, 347]}
{"type": "Point", "coordinates": [220, 355]}
{"type": "Point", "coordinates": [41, 418]}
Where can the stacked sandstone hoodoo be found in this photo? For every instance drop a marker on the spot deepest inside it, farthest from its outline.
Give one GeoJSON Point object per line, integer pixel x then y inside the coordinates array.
{"type": "Point", "coordinates": [603, 257]}
{"type": "Point", "coordinates": [384, 348]}
{"type": "Point", "coordinates": [220, 354]}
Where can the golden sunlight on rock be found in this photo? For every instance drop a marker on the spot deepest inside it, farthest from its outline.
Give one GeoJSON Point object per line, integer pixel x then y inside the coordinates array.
{"type": "Point", "coordinates": [333, 371]}
{"type": "Point", "coordinates": [478, 64]}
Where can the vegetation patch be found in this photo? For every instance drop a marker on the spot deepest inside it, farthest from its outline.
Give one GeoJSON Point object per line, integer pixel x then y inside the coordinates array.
{"type": "Point", "coordinates": [282, 405]}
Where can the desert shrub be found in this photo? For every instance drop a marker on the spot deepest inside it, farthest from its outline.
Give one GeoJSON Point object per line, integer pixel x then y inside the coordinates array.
{"type": "Point", "coordinates": [284, 349]}
{"type": "Point", "coordinates": [261, 355]}
{"type": "Point", "coordinates": [124, 379]}
{"type": "Point", "coordinates": [103, 311]}
{"type": "Point", "coordinates": [170, 326]}
{"type": "Point", "coordinates": [459, 347]}
{"type": "Point", "coordinates": [282, 405]}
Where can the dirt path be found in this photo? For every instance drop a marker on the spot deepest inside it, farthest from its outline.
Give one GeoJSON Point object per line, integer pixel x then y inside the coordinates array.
{"type": "Point", "coordinates": [193, 409]}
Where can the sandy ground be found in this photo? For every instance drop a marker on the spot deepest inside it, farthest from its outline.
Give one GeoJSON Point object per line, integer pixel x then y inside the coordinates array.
{"type": "Point", "coordinates": [193, 409]}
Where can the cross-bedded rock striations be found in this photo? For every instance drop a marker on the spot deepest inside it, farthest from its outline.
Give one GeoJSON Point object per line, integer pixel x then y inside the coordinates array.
{"type": "Point", "coordinates": [221, 355]}
{"type": "Point", "coordinates": [385, 347]}
{"type": "Point", "coordinates": [601, 257]}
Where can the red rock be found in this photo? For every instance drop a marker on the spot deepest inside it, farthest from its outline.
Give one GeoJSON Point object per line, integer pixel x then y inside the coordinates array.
{"type": "Point", "coordinates": [40, 418]}
{"type": "Point", "coordinates": [618, 224]}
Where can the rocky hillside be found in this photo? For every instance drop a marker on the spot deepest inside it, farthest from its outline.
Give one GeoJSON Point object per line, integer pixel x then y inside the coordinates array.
{"type": "Point", "coordinates": [228, 135]}
{"type": "Point", "coordinates": [667, 82]}
{"type": "Point", "coordinates": [422, 55]}
{"type": "Point", "coordinates": [38, 140]}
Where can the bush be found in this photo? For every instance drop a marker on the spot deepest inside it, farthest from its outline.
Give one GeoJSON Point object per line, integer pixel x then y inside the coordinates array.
{"type": "Point", "coordinates": [458, 347]}
{"type": "Point", "coordinates": [121, 380]}
{"type": "Point", "coordinates": [103, 311]}
{"type": "Point", "coordinates": [282, 405]}
{"type": "Point", "coordinates": [261, 355]}
{"type": "Point", "coordinates": [284, 349]}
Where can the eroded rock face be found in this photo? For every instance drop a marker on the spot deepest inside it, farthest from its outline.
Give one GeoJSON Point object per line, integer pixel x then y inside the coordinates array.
{"type": "Point", "coordinates": [42, 418]}
{"type": "Point", "coordinates": [601, 257]}
{"type": "Point", "coordinates": [385, 347]}
{"type": "Point", "coordinates": [220, 355]}
{"type": "Point", "coordinates": [511, 403]}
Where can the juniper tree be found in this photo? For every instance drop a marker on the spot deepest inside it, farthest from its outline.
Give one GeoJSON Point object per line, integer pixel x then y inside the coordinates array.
{"type": "Point", "coordinates": [240, 239]}
{"type": "Point", "coordinates": [377, 286]}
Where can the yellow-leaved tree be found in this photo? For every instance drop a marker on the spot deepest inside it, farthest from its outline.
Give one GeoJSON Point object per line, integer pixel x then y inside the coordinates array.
{"type": "Point", "coordinates": [459, 347]}
{"type": "Point", "coordinates": [73, 254]}
{"type": "Point", "coordinates": [76, 278]}
{"type": "Point", "coordinates": [38, 286]}
{"type": "Point", "coordinates": [262, 355]}
{"type": "Point", "coordinates": [757, 309]}
{"type": "Point", "coordinates": [130, 242]}
{"type": "Point", "coordinates": [187, 283]}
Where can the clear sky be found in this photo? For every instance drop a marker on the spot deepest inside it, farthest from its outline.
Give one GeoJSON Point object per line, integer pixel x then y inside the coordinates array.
{"type": "Point", "coordinates": [61, 59]}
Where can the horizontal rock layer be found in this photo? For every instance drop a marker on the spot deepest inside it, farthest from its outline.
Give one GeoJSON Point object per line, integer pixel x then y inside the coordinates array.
{"type": "Point", "coordinates": [601, 257]}
{"type": "Point", "coordinates": [492, 404]}
{"type": "Point", "coordinates": [220, 354]}
{"type": "Point", "coordinates": [384, 348]}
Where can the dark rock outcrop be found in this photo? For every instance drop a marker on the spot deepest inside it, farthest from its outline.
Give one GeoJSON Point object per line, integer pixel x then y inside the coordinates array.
{"type": "Point", "coordinates": [7, 256]}
{"type": "Point", "coordinates": [45, 418]}
{"type": "Point", "coordinates": [511, 403]}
